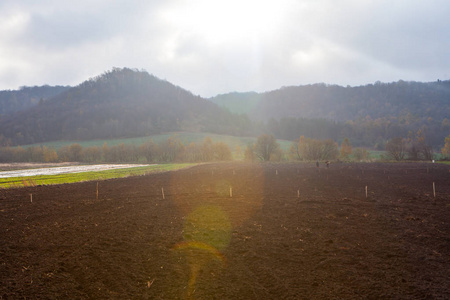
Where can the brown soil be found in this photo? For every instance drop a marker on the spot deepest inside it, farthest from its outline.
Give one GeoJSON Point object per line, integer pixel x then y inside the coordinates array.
{"type": "Point", "coordinates": [289, 231]}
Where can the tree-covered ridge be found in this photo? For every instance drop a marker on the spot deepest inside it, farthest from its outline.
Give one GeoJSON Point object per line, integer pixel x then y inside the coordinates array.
{"type": "Point", "coordinates": [118, 103]}
{"type": "Point", "coordinates": [26, 97]}
{"type": "Point", "coordinates": [401, 99]}
{"type": "Point", "coordinates": [369, 115]}
{"type": "Point", "coordinates": [242, 103]}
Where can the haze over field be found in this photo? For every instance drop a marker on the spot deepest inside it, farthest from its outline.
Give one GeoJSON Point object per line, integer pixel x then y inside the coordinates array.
{"type": "Point", "coordinates": [213, 47]}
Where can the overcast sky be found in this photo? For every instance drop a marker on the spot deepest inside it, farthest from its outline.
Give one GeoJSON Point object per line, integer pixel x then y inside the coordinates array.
{"type": "Point", "coordinates": [211, 47]}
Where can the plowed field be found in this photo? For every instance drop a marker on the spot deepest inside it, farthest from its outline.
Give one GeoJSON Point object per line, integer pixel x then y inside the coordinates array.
{"type": "Point", "coordinates": [233, 231]}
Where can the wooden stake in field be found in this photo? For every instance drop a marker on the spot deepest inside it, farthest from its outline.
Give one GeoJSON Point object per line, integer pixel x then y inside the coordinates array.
{"type": "Point", "coordinates": [31, 197]}
{"type": "Point", "coordinates": [231, 192]}
{"type": "Point", "coordinates": [97, 190]}
{"type": "Point", "coordinates": [162, 191]}
{"type": "Point", "coordinates": [366, 191]}
{"type": "Point", "coordinates": [434, 190]}
{"type": "Point", "coordinates": [298, 193]}
{"type": "Point", "coordinates": [276, 172]}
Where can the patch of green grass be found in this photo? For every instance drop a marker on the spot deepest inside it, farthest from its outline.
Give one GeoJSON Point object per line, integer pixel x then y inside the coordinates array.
{"type": "Point", "coordinates": [13, 182]}
{"type": "Point", "coordinates": [376, 154]}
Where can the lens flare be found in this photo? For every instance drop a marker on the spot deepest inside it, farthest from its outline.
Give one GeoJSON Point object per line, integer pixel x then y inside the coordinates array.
{"type": "Point", "coordinates": [208, 224]}
{"type": "Point", "coordinates": [207, 230]}
{"type": "Point", "coordinates": [202, 247]}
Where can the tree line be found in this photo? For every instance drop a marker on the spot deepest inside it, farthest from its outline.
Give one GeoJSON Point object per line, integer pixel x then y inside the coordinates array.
{"type": "Point", "coordinates": [265, 148]}
{"type": "Point", "coordinates": [170, 150]}
{"type": "Point", "coordinates": [303, 149]}
{"type": "Point", "coordinates": [414, 147]}
{"type": "Point", "coordinates": [363, 132]}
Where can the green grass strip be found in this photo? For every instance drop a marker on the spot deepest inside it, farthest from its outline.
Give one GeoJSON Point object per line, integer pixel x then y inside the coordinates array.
{"type": "Point", "coordinates": [15, 182]}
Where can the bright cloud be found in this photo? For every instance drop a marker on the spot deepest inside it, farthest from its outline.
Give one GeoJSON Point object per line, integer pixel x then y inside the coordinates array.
{"type": "Point", "coordinates": [211, 47]}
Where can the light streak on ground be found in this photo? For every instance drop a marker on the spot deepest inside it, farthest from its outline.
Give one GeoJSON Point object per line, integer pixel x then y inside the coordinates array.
{"type": "Point", "coordinates": [66, 170]}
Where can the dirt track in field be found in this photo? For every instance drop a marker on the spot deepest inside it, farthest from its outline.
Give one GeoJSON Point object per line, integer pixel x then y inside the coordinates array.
{"type": "Point", "coordinates": [289, 231]}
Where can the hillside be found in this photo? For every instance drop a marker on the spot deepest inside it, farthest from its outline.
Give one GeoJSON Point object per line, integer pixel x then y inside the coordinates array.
{"type": "Point", "coordinates": [118, 103]}
{"type": "Point", "coordinates": [26, 97]}
{"type": "Point", "coordinates": [339, 103]}
{"type": "Point", "coordinates": [242, 103]}
{"type": "Point", "coordinates": [367, 114]}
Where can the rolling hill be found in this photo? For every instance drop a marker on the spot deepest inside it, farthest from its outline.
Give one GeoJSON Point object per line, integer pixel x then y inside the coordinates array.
{"type": "Point", "coordinates": [119, 103]}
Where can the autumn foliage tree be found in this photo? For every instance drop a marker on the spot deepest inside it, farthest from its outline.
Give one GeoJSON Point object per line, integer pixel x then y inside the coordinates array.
{"type": "Point", "coordinates": [346, 149]}
{"type": "Point", "coordinates": [222, 152]}
{"type": "Point", "coordinates": [446, 150]}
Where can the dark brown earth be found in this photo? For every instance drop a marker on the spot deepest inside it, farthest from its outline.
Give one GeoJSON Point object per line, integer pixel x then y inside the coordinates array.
{"type": "Point", "coordinates": [289, 231]}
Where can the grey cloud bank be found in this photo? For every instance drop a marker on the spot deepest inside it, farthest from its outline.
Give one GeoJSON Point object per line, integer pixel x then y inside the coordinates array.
{"type": "Point", "coordinates": [211, 47]}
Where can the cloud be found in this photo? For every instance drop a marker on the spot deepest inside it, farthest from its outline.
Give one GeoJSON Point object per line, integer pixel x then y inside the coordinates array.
{"type": "Point", "coordinates": [212, 47]}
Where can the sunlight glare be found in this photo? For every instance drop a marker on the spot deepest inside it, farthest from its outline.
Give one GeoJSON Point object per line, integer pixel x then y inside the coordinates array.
{"type": "Point", "coordinates": [217, 22]}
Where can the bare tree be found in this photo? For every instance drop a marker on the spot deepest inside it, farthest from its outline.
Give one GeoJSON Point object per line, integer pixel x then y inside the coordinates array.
{"type": "Point", "coordinates": [265, 146]}
{"type": "Point", "coordinates": [396, 148]}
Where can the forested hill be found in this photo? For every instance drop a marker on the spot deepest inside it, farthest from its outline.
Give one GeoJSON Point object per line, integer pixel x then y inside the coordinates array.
{"type": "Point", "coordinates": [129, 103]}
{"type": "Point", "coordinates": [118, 103]}
{"type": "Point", "coordinates": [380, 100]}
{"type": "Point", "coordinates": [26, 97]}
